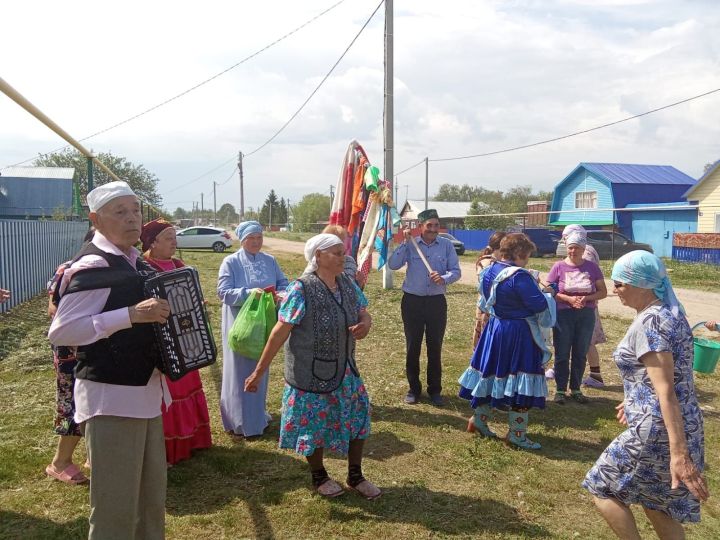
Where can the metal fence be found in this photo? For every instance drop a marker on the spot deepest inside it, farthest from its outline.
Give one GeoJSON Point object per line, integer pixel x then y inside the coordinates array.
{"type": "Point", "coordinates": [696, 255]}
{"type": "Point", "coordinates": [30, 252]}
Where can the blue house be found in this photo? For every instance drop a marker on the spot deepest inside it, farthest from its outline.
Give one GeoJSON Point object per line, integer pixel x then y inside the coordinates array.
{"type": "Point", "coordinates": [590, 193]}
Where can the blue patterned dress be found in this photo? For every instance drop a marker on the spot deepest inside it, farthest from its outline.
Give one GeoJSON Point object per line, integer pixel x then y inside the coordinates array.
{"type": "Point", "coordinates": [635, 468]}
{"type": "Point", "coordinates": [311, 420]}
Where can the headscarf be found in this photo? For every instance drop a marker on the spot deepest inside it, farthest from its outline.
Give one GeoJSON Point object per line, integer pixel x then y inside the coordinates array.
{"type": "Point", "coordinates": [246, 228]}
{"type": "Point", "coordinates": [151, 230]}
{"type": "Point", "coordinates": [573, 228]}
{"type": "Point", "coordinates": [645, 270]}
{"type": "Point", "coordinates": [576, 237]}
{"type": "Point", "coordinates": [318, 242]}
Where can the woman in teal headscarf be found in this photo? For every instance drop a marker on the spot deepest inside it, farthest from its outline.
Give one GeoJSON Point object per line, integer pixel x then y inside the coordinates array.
{"type": "Point", "coordinates": [658, 461]}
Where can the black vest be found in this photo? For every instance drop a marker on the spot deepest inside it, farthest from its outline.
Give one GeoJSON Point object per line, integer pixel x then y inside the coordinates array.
{"type": "Point", "coordinates": [321, 346]}
{"type": "Point", "coordinates": [128, 357]}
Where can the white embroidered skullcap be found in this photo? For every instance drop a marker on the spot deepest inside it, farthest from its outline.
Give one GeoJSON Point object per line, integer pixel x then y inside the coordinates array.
{"type": "Point", "coordinates": [102, 195]}
{"type": "Point", "coordinates": [318, 242]}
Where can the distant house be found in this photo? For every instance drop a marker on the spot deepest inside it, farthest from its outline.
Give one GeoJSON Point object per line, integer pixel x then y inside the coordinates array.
{"type": "Point", "coordinates": [592, 190]}
{"type": "Point", "coordinates": [452, 214]}
{"type": "Point", "coordinates": [536, 217]}
{"type": "Point", "coordinates": [706, 193]}
{"type": "Point", "coordinates": [35, 192]}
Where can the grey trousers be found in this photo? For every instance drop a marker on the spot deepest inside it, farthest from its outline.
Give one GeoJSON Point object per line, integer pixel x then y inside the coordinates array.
{"type": "Point", "coordinates": [129, 478]}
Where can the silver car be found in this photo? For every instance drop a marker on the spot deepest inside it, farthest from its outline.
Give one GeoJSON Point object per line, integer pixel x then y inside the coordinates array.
{"type": "Point", "coordinates": [204, 238]}
{"type": "Point", "coordinates": [608, 244]}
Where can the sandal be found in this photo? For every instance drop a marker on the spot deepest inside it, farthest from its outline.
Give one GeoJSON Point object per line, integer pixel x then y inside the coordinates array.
{"type": "Point", "coordinates": [71, 475]}
{"type": "Point", "coordinates": [330, 489]}
{"type": "Point", "coordinates": [366, 489]}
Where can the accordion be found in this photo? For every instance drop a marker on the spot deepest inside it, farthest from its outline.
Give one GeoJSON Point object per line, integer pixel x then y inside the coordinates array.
{"type": "Point", "coordinates": [186, 342]}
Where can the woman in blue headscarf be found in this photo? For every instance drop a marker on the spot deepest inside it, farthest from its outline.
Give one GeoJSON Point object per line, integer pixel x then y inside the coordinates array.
{"type": "Point", "coordinates": [245, 272]}
{"type": "Point", "coordinates": [658, 461]}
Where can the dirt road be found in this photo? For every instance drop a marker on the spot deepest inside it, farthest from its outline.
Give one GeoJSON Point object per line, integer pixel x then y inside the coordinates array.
{"type": "Point", "coordinates": [700, 305]}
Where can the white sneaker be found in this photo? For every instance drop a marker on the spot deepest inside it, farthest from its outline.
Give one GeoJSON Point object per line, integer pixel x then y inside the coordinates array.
{"type": "Point", "coordinates": [550, 374]}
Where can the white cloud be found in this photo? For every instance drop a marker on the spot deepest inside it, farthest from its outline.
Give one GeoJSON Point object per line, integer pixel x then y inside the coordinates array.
{"type": "Point", "coordinates": [480, 77]}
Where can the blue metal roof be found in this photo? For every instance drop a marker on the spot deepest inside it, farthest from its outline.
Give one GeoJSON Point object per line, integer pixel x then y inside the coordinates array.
{"type": "Point", "coordinates": [623, 173]}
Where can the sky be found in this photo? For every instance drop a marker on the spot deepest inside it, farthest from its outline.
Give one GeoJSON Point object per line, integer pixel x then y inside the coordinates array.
{"type": "Point", "coordinates": [471, 76]}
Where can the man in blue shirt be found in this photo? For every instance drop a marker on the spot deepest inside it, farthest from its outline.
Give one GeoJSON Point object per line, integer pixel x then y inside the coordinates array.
{"type": "Point", "coordinates": [423, 308]}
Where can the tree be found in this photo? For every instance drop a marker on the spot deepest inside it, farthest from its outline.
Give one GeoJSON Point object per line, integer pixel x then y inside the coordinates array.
{"type": "Point", "coordinates": [312, 209]}
{"type": "Point", "coordinates": [265, 214]}
{"type": "Point", "coordinates": [496, 223]}
{"type": "Point", "coordinates": [181, 213]}
{"type": "Point", "coordinates": [227, 214]}
{"type": "Point", "coordinates": [143, 182]}
{"type": "Point", "coordinates": [282, 212]}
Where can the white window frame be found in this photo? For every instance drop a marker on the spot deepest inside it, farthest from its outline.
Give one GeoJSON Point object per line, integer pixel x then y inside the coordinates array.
{"type": "Point", "coordinates": [717, 222]}
{"type": "Point", "coordinates": [586, 199]}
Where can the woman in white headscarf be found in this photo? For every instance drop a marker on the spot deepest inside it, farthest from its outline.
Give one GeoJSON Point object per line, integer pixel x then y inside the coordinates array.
{"type": "Point", "coordinates": [245, 272]}
{"type": "Point", "coordinates": [580, 284]}
{"type": "Point", "coordinates": [658, 461]}
{"type": "Point", "coordinates": [594, 379]}
{"type": "Point", "coordinates": [325, 404]}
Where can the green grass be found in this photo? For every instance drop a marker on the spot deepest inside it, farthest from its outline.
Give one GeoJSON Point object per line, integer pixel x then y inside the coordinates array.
{"type": "Point", "coordinates": [439, 481]}
{"type": "Point", "coordinates": [290, 235]}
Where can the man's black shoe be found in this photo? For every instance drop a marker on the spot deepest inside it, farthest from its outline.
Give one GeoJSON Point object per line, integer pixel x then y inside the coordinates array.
{"type": "Point", "coordinates": [437, 400]}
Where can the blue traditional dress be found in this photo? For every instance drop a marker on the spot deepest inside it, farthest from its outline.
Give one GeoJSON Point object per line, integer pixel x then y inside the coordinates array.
{"type": "Point", "coordinates": [506, 369]}
{"type": "Point", "coordinates": [311, 420]}
{"type": "Point", "coordinates": [243, 412]}
{"type": "Point", "coordinates": [635, 468]}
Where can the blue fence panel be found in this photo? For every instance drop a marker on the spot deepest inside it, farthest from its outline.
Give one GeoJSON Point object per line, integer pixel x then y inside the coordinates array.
{"type": "Point", "coordinates": [473, 239]}
{"type": "Point", "coordinates": [696, 255]}
{"type": "Point", "coordinates": [31, 251]}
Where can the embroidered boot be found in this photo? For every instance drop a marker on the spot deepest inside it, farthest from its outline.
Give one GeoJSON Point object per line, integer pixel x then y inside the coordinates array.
{"type": "Point", "coordinates": [517, 436]}
{"type": "Point", "coordinates": [477, 423]}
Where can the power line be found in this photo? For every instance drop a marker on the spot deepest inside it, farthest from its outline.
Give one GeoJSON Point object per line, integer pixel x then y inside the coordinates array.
{"type": "Point", "coordinates": [195, 87]}
{"type": "Point", "coordinates": [295, 114]}
{"type": "Point", "coordinates": [203, 175]}
{"type": "Point", "coordinates": [227, 179]}
{"type": "Point", "coordinates": [411, 167]}
{"type": "Point", "coordinates": [554, 139]}
{"type": "Point", "coordinates": [263, 145]}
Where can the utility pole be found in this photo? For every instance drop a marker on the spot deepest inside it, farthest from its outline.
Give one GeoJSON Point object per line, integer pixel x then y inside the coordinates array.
{"type": "Point", "coordinates": [202, 208]}
{"type": "Point", "coordinates": [288, 216]}
{"type": "Point", "coordinates": [214, 205]}
{"type": "Point", "coordinates": [332, 195]}
{"type": "Point", "coordinates": [242, 192]}
{"type": "Point", "coordinates": [426, 182]}
{"type": "Point", "coordinates": [388, 120]}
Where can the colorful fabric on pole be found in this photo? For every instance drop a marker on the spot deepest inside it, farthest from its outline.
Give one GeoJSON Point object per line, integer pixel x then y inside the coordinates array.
{"type": "Point", "coordinates": [363, 204]}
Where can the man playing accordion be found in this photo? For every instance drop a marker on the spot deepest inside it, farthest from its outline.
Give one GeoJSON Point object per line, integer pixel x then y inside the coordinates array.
{"type": "Point", "coordinates": [119, 388]}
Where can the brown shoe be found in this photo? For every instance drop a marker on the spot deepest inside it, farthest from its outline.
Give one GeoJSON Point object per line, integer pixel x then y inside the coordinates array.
{"type": "Point", "coordinates": [330, 489]}
{"type": "Point", "coordinates": [366, 489]}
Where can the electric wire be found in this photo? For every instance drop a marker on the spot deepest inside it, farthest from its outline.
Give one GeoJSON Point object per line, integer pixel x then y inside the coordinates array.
{"type": "Point", "coordinates": [195, 87]}
{"type": "Point", "coordinates": [410, 167]}
{"type": "Point", "coordinates": [295, 114]}
{"type": "Point", "coordinates": [286, 124]}
{"type": "Point", "coordinates": [581, 132]}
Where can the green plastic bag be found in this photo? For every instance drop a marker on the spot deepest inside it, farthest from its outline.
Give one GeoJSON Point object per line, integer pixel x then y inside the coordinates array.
{"type": "Point", "coordinates": [253, 325]}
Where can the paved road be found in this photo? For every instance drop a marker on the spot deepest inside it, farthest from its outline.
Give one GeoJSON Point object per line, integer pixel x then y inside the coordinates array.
{"type": "Point", "coordinates": [700, 305]}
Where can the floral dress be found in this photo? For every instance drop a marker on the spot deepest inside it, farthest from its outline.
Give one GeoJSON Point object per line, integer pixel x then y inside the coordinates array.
{"type": "Point", "coordinates": [635, 468]}
{"type": "Point", "coordinates": [311, 420]}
